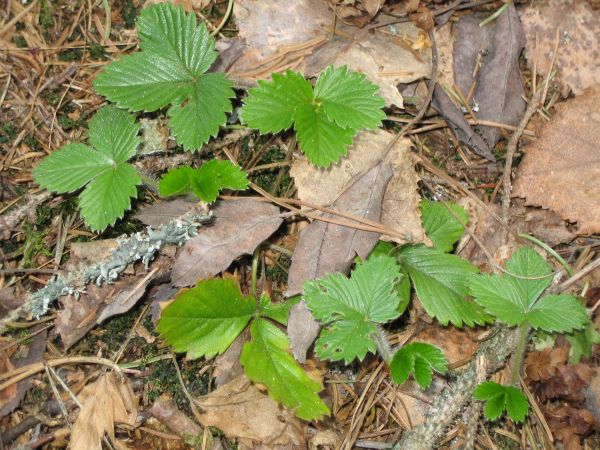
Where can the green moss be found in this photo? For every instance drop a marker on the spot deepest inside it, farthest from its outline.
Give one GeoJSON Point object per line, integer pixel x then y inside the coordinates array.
{"type": "Point", "coordinates": [97, 51]}
{"type": "Point", "coordinates": [19, 40]}
{"type": "Point", "coordinates": [129, 12]}
{"type": "Point", "coordinates": [46, 20]}
{"type": "Point", "coordinates": [34, 245]}
{"type": "Point", "coordinates": [72, 54]}
{"type": "Point", "coordinates": [7, 133]}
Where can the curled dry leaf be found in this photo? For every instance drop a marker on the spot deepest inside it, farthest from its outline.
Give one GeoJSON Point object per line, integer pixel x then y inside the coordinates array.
{"type": "Point", "coordinates": [242, 411]}
{"type": "Point", "coordinates": [400, 208]}
{"type": "Point", "coordinates": [560, 169]}
{"type": "Point", "coordinates": [239, 226]}
{"type": "Point", "coordinates": [104, 403]}
{"type": "Point", "coordinates": [165, 410]}
{"type": "Point", "coordinates": [301, 38]}
{"type": "Point", "coordinates": [578, 59]}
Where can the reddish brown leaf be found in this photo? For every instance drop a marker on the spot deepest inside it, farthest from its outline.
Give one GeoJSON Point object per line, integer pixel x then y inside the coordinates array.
{"type": "Point", "coordinates": [560, 170]}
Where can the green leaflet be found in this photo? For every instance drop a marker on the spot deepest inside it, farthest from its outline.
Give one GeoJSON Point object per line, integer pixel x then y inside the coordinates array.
{"type": "Point", "coordinates": [325, 119]}
{"type": "Point", "coordinates": [441, 282]}
{"type": "Point", "coordinates": [170, 70]}
{"type": "Point", "coordinates": [109, 181]}
{"type": "Point", "coordinates": [205, 182]}
{"type": "Point", "coordinates": [441, 226]}
{"type": "Point", "coordinates": [421, 360]}
{"type": "Point", "coordinates": [516, 299]}
{"type": "Point", "coordinates": [499, 398]}
{"type": "Point", "coordinates": [351, 308]}
{"type": "Point", "coordinates": [266, 360]}
{"type": "Point", "coordinates": [205, 320]}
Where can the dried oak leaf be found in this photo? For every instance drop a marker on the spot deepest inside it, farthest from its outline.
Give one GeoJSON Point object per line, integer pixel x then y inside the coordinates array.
{"type": "Point", "coordinates": [239, 226]}
{"type": "Point", "coordinates": [104, 403]}
{"type": "Point", "coordinates": [578, 57]}
{"type": "Point", "coordinates": [242, 411]}
{"type": "Point", "coordinates": [560, 169]}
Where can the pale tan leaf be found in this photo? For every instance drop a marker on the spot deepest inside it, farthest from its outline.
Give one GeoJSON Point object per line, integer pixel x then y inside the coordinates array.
{"type": "Point", "coordinates": [560, 170]}
{"type": "Point", "coordinates": [578, 59]}
{"type": "Point", "coordinates": [242, 411]}
{"type": "Point", "coordinates": [104, 403]}
{"type": "Point", "coordinates": [400, 209]}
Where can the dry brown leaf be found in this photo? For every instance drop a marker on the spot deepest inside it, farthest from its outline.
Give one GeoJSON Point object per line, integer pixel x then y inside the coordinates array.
{"type": "Point", "coordinates": [160, 213]}
{"type": "Point", "coordinates": [27, 353]}
{"type": "Point", "coordinates": [242, 411]}
{"type": "Point", "coordinates": [324, 247]}
{"type": "Point", "coordinates": [499, 91]}
{"type": "Point", "coordinates": [302, 329]}
{"type": "Point", "coordinates": [578, 58]}
{"type": "Point", "coordinates": [227, 365]}
{"type": "Point", "coordinates": [283, 26]}
{"type": "Point", "coordinates": [104, 403]}
{"type": "Point", "coordinates": [400, 209]}
{"type": "Point", "coordinates": [560, 170]}
{"type": "Point", "coordinates": [238, 228]}
{"type": "Point", "coordinates": [165, 410]}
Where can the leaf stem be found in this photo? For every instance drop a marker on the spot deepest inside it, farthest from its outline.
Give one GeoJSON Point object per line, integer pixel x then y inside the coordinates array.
{"type": "Point", "coordinates": [255, 258]}
{"type": "Point", "coordinates": [524, 329]}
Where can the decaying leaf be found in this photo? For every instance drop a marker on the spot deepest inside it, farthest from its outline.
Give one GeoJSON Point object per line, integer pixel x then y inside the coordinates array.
{"type": "Point", "coordinates": [165, 410]}
{"type": "Point", "coordinates": [457, 122]}
{"type": "Point", "coordinates": [242, 411]}
{"type": "Point", "coordinates": [400, 208]}
{"type": "Point", "coordinates": [239, 226]}
{"type": "Point", "coordinates": [470, 44]}
{"type": "Point", "coordinates": [560, 170]}
{"type": "Point", "coordinates": [302, 329]}
{"type": "Point", "coordinates": [300, 38]}
{"type": "Point", "coordinates": [104, 403]}
{"type": "Point", "coordinates": [29, 353]}
{"type": "Point", "coordinates": [578, 59]}
{"type": "Point", "coordinates": [325, 248]}
{"type": "Point", "coordinates": [162, 212]}
{"type": "Point", "coordinates": [98, 303]}
{"type": "Point", "coordinates": [499, 89]}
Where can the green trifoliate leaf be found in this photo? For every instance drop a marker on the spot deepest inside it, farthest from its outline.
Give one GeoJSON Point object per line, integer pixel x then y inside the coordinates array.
{"type": "Point", "coordinates": [349, 99]}
{"type": "Point", "coordinates": [441, 283]}
{"type": "Point", "coordinates": [109, 181]}
{"type": "Point", "coordinates": [421, 360]}
{"type": "Point", "coordinates": [516, 299]}
{"type": "Point", "coordinates": [271, 106]}
{"type": "Point", "coordinates": [325, 120]}
{"type": "Point", "coordinates": [441, 226]}
{"type": "Point", "coordinates": [499, 398]}
{"type": "Point", "coordinates": [582, 341]}
{"type": "Point", "coordinates": [352, 308]}
{"type": "Point", "coordinates": [205, 182]}
{"type": "Point", "coordinates": [266, 360]}
{"type": "Point", "coordinates": [322, 140]}
{"type": "Point", "coordinates": [170, 70]}
{"type": "Point", "coordinates": [205, 320]}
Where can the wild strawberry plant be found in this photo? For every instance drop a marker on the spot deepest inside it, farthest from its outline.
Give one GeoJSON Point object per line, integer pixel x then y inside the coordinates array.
{"type": "Point", "coordinates": [325, 118]}
{"type": "Point", "coordinates": [171, 70]}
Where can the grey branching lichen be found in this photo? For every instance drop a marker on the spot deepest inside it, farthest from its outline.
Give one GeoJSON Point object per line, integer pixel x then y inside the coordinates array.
{"type": "Point", "coordinates": [137, 247]}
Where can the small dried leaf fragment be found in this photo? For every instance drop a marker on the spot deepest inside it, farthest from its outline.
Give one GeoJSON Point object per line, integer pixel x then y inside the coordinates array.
{"type": "Point", "coordinates": [242, 411]}
{"type": "Point", "coordinates": [239, 227]}
{"type": "Point", "coordinates": [578, 58]}
{"type": "Point", "coordinates": [560, 169]}
{"type": "Point", "coordinates": [104, 403]}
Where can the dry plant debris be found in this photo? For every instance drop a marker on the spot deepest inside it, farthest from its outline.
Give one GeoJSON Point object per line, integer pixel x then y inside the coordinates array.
{"type": "Point", "coordinates": [577, 24]}
{"type": "Point", "coordinates": [560, 169]}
